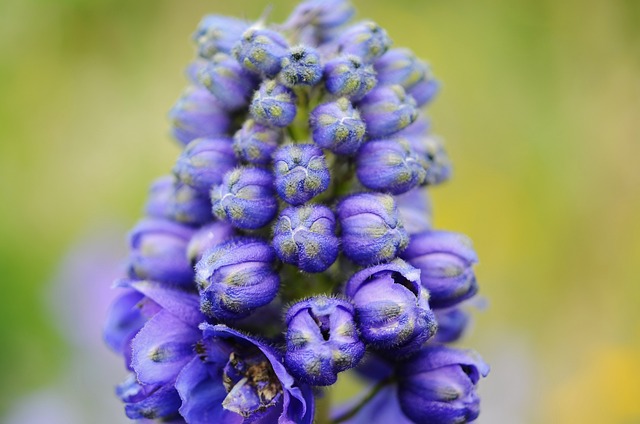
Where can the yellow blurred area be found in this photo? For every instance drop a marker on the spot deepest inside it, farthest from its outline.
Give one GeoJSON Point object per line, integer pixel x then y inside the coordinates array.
{"type": "Point", "coordinates": [541, 111]}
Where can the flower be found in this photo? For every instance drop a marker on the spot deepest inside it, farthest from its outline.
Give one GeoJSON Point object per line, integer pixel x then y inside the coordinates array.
{"type": "Point", "coordinates": [392, 309]}
{"type": "Point", "coordinates": [437, 385]}
{"type": "Point", "coordinates": [300, 198]}
{"type": "Point", "coordinates": [322, 340]}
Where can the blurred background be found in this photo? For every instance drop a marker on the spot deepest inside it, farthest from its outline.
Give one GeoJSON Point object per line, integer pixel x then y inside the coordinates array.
{"type": "Point", "coordinates": [541, 111]}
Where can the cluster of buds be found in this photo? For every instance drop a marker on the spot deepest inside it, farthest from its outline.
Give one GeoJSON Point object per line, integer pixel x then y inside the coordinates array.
{"type": "Point", "coordinates": [293, 240]}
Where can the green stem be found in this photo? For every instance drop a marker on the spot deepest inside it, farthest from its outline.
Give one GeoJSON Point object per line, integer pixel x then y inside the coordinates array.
{"type": "Point", "coordinates": [353, 411]}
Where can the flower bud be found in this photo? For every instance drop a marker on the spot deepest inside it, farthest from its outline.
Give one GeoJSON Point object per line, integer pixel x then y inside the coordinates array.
{"type": "Point", "coordinates": [386, 110]}
{"type": "Point", "coordinates": [301, 66]}
{"type": "Point", "coordinates": [245, 198]}
{"type": "Point", "coordinates": [402, 67]}
{"type": "Point", "coordinates": [348, 76]}
{"type": "Point", "coordinates": [260, 50]}
{"type": "Point", "coordinates": [218, 34]}
{"type": "Point", "coordinates": [366, 40]}
{"type": "Point", "coordinates": [438, 385]}
{"type": "Point", "coordinates": [229, 82]}
{"type": "Point", "coordinates": [158, 252]}
{"type": "Point", "coordinates": [322, 340]}
{"type": "Point", "coordinates": [445, 260]}
{"type": "Point", "coordinates": [152, 401]}
{"type": "Point", "coordinates": [324, 14]}
{"type": "Point", "coordinates": [273, 104]}
{"type": "Point", "coordinates": [236, 277]}
{"type": "Point", "coordinates": [390, 166]}
{"type": "Point", "coordinates": [171, 199]}
{"type": "Point", "coordinates": [255, 143]}
{"type": "Point", "coordinates": [392, 308]}
{"type": "Point", "coordinates": [371, 229]}
{"type": "Point", "coordinates": [305, 237]}
{"type": "Point", "coordinates": [452, 323]}
{"type": "Point", "coordinates": [414, 208]}
{"type": "Point", "coordinates": [198, 114]}
{"type": "Point", "coordinates": [301, 172]}
{"type": "Point", "coordinates": [431, 150]}
{"type": "Point", "coordinates": [204, 161]}
{"type": "Point", "coordinates": [337, 126]}
{"type": "Point", "coordinates": [208, 237]}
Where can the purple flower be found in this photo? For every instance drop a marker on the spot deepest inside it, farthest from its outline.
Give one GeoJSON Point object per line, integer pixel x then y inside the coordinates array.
{"type": "Point", "coordinates": [305, 237]}
{"type": "Point", "coordinates": [322, 340]}
{"type": "Point", "coordinates": [337, 126]}
{"type": "Point", "coordinates": [348, 76]}
{"type": "Point", "coordinates": [273, 104]}
{"type": "Point", "coordinates": [260, 50]}
{"type": "Point", "coordinates": [367, 40]}
{"type": "Point", "coordinates": [301, 172]}
{"type": "Point", "coordinates": [390, 166]}
{"type": "Point", "coordinates": [452, 323]}
{"type": "Point", "coordinates": [431, 150]}
{"type": "Point", "coordinates": [236, 277]}
{"type": "Point", "coordinates": [387, 110]}
{"type": "Point", "coordinates": [445, 260]}
{"type": "Point", "coordinates": [198, 114]}
{"type": "Point", "coordinates": [173, 200]}
{"type": "Point", "coordinates": [392, 308]}
{"type": "Point", "coordinates": [437, 385]}
{"type": "Point", "coordinates": [371, 229]}
{"type": "Point", "coordinates": [204, 161]}
{"type": "Point", "coordinates": [159, 252]}
{"type": "Point", "coordinates": [236, 379]}
{"type": "Point", "coordinates": [414, 209]}
{"type": "Point", "coordinates": [301, 66]}
{"type": "Point", "coordinates": [149, 401]}
{"type": "Point", "coordinates": [245, 198]}
{"type": "Point", "coordinates": [255, 143]}
{"type": "Point", "coordinates": [217, 33]}
{"type": "Point", "coordinates": [323, 14]}
{"type": "Point", "coordinates": [229, 82]}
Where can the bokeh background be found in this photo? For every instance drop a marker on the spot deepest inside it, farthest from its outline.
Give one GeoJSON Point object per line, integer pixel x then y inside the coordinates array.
{"type": "Point", "coordinates": [541, 110]}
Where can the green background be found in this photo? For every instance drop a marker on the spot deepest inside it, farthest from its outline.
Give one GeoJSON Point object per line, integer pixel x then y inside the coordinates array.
{"type": "Point", "coordinates": [541, 111]}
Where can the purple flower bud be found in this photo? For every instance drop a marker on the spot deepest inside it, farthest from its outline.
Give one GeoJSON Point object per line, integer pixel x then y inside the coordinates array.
{"type": "Point", "coordinates": [158, 252]}
{"type": "Point", "coordinates": [236, 277]}
{"type": "Point", "coordinates": [392, 308]}
{"type": "Point", "coordinates": [438, 385]}
{"type": "Point", "coordinates": [452, 323]}
{"type": "Point", "coordinates": [402, 67]}
{"type": "Point", "coordinates": [255, 143]}
{"type": "Point", "coordinates": [414, 208]}
{"type": "Point", "coordinates": [260, 50]}
{"type": "Point", "coordinates": [229, 82]}
{"type": "Point", "coordinates": [273, 104]}
{"type": "Point", "coordinates": [301, 172]}
{"type": "Point", "coordinates": [301, 66]}
{"type": "Point", "coordinates": [204, 161]}
{"type": "Point", "coordinates": [322, 340]}
{"type": "Point", "coordinates": [366, 40]}
{"type": "Point", "coordinates": [386, 110]}
{"type": "Point", "coordinates": [245, 198]}
{"type": "Point", "coordinates": [348, 76]}
{"type": "Point", "coordinates": [337, 126]}
{"type": "Point", "coordinates": [305, 237]}
{"type": "Point", "coordinates": [198, 114]}
{"type": "Point", "coordinates": [218, 34]}
{"type": "Point", "coordinates": [371, 229]}
{"type": "Point", "coordinates": [324, 14]}
{"type": "Point", "coordinates": [170, 199]}
{"type": "Point", "coordinates": [390, 166]}
{"type": "Point", "coordinates": [445, 260]}
{"type": "Point", "coordinates": [239, 379]}
{"type": "Point", "coordinates": [431, 150]}
{"type": "Point", "coordinates": [149, 401]}
{"type": "Point", "coordinates": [208, 237]}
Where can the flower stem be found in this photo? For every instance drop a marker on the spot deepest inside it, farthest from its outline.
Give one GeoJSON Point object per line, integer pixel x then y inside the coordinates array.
{"type": "Point", "coordinates": [353, 411]}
